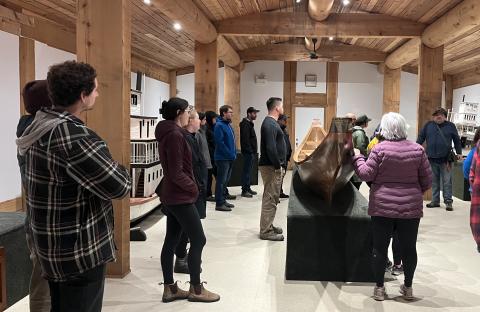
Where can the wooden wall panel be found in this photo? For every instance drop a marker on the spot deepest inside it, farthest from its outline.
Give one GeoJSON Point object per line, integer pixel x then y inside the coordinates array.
{"type": "Point", "coordinates": [103, 40]}
{"type": "Point", "coordinates": [206, 76]}
{"type": "Point", "coordinates": [391, 90]}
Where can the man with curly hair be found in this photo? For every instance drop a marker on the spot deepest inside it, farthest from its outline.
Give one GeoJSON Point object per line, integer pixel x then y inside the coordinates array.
{"type": "Point", "coordinates": [70, 180]}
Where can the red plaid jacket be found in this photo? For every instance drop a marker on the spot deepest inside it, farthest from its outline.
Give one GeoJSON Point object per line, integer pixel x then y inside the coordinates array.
{"type": "Point", "coordinates": [475, 204]}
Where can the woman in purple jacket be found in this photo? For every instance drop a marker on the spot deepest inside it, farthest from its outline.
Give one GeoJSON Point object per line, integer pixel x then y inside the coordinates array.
{"type": "Point", "coordinates": [400, 174]}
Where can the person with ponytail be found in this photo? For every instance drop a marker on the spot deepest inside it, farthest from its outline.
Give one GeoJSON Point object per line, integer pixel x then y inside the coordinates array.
{"type": "Point", "coordinates": [178, 192]}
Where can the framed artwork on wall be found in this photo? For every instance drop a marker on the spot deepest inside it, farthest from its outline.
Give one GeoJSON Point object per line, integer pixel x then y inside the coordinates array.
{"type": "Point", "coordinates": [310, 80]}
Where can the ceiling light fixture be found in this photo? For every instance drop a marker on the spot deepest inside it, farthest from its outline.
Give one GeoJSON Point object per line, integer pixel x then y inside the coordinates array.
{"type": "Point", "coordinates": [298, 1]}
{"type": "Point", "coordinates": [147, 2]}
{"type": "Point", "coordinates": [330, 38]}
{"type": "Point", "coordinates": [177, 26]}
{"type": "Point", "coordinates": [346, 2]}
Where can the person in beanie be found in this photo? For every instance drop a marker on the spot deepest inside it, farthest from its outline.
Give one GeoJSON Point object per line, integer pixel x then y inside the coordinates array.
{"type": "Point", "coordinates": [439, 134]}
{"type": "Point", "coordinates": [248, 145]}
{"type": "Point", "coordinates": [71, 181]}
{"type": "Point", "coordinates": [179, 192]}
{"type": "Point", "coordinates": [282, 121]}
{"type": "Point", "coordinates": [35, 96]}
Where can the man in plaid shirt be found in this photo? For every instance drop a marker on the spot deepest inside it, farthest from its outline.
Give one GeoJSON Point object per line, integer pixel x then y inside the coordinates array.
{"type": "Point", "coordinates": [71, 179]}
{"type": "Point", "coordinates": [475, 203]}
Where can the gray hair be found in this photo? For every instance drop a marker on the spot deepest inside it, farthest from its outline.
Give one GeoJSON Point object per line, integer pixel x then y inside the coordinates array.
{"type": "Point", "coordinates": [393, 127]}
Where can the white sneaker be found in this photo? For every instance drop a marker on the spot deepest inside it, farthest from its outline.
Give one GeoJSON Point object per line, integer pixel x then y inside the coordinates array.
{"type": "Point", "coordinates": [379, 293]}
{"type": "Point", "coordinates": [407, 292]}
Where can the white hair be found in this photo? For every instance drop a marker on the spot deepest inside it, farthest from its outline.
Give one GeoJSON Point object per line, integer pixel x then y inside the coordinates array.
{"type": "Point", "coordinates": [393, 127]}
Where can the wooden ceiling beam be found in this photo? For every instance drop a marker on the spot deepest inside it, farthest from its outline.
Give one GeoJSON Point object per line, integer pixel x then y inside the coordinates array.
{"type": "Point", "coordinates": [320, 9]}
{"type": "Point", "coordinates": [462, 19]}
{"type": "Point", "coordinates": [150, 69]}
{"type": "Point", "coordinates": [226, 53]}
{"type": "Point", "coordinates": [191, 18]}
{"type": "Point", "coordinates": [299, 24]}
{"type": "Point", "coordinates": [467, 78]}
{"type": "Point", "coordinates": [297, 52]}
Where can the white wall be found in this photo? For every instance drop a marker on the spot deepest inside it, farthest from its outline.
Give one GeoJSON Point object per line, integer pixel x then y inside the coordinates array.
{"type": "Point", "coordinates": [186, 87]}
{"type": "Point", "coordinates": [10, 184]}
{"type": "Point", "coordinates": [255, 95]}
{"type": "Point", "coordinates": [46, 56]}
{"type": "Point", "coordinates": [360, 91]}
{"type": "Point", "coordinates": [408, 102]}
{"type": "Point", "coordinates": [312, 68]}
{"type": "Point", "coordinates": [154, 93]}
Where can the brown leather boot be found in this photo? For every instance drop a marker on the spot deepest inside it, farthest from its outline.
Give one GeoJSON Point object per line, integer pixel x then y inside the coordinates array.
{"type": "Point", "coordinates": [198, 293]}
{"type": "Point", "coordinates": [172, 292]}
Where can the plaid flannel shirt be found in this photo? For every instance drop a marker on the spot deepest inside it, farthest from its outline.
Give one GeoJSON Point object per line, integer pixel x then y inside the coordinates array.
{"type": "Point", "coordinates": [475, 203]}
{"type": "Point", "coordinates": [71, 179]}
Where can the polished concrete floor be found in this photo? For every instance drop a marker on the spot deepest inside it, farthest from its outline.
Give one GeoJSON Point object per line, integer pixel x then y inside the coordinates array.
{"type": "Point", "coordinates": [249, 273]}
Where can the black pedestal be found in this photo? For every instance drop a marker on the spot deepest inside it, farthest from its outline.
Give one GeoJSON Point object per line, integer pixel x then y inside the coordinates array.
{"type": "Point", "coordinates": [460, 185]}
{"type": "Point", "coordinates": [328, 242]}
{"type": "Point", "coordinates": [236, 178]}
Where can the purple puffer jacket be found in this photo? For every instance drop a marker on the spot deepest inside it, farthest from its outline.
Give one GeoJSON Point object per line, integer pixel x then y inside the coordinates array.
{"type": "Point", "coordinates": [400, 174]}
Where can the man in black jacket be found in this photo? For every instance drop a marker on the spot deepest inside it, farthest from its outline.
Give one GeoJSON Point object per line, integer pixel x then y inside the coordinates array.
{"type": "Point", "coordinates": [272, 159]}
{"type": "Point", "coordinates": [248, 144]}
{"type": "Point", "coordinates": [282, 121]}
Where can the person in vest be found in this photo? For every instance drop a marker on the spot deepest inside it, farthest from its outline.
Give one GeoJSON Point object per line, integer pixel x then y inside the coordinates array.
{"type": "Point", "coordinates": [360, 142]}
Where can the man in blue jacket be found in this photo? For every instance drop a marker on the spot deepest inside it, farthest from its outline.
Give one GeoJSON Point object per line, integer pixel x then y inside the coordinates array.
{"type": "Point", "coordinates": [439, 135]}
{"type": "Point", "coordinates": [225, 154]}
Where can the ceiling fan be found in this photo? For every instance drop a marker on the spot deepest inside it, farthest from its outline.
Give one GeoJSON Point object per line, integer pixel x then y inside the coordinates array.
{"type": "Point", "coordinates": [313, 54]}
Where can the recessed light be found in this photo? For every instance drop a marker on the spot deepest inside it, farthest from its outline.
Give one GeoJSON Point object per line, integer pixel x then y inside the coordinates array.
{"type": "Point", "coordinates": [346, 2]}
{"type": "Point", "coordinates": [298, 1]}
{"type": "Point", "coordinates": [330, 38]}
{"type": "Point", "coordinates": [147, 2]}
{"type": "Point", "coordinates": [177, 26]}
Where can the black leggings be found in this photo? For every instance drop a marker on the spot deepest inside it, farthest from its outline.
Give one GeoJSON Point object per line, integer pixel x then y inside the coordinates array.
{"type": "Point", "coordinates": [183, 218]}
{"type": "Point", "coordinates": [407, 231]}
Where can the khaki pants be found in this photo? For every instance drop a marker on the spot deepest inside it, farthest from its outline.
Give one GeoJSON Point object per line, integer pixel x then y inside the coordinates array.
{"type": "Point", "coordinates": [272, 182]}
{"type": "Point", "coordinates": [39, 288]}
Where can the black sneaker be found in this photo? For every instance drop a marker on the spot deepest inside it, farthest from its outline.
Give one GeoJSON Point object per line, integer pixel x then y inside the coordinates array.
{"type": "Point", "coordinates": [229, 205]}
{"type": "Point", "coordinates": [449, 206]}
{"type": "Point", "coordinates": [211, 199]}
{"type": "Point", "coordinates": [223, 208]}
{"type": "Point", "coordinates": [231, 197]}
{"type": "Point", "coordinates": [252, 192]}
{"type": "Point", "coordinates": [284, 196]}
{"type": "Point", "coordinates": [397, 270]}
{"type": "Point", "coordinates": [247, 194]}
{"type": "Point", "coordinates": [433, 205]}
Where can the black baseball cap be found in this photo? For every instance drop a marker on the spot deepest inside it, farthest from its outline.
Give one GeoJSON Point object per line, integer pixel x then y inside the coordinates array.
{"type": "Point", "coordinates": [252, 110]}
{"type": "Point", "coordinates": [362, 120]}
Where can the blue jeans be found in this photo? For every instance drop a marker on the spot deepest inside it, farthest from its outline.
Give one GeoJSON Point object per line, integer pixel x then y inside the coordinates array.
{"type": "Point", "coordinates": [442, 178]}
{"type": "Point", "coordinates": [224, 171]}
{"type": "Point", "coordinates": [247, 171]}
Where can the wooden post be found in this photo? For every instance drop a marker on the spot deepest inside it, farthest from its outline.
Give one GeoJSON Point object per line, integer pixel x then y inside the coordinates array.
{"type": "Point", "coordinates": [206, 76]}
{"type": "Point", "coordinates": [332, 93]}
{"type": "Point", "coordinates": [173, 83]}
{"type": "Point", "coordinates": [289, 93]}
{"type": "Point", "coordinates": [448, 92]}
{"type": "Point", "coordinates": [232, 98]}
{"type": "Point", "coordinates": [27, 73]}
{"type": "Point", "coordinates": [104, 41]}
{"type": "Point", "coordinates": [391, 90]}
{"type": "Point", "coordinates": [430, 78]}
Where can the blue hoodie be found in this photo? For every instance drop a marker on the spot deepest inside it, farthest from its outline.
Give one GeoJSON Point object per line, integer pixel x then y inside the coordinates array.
{"type": "Point", "coordinates": [224, 140]}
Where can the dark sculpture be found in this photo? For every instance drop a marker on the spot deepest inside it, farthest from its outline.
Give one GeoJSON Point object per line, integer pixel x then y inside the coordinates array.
{"type": "Point", "coordinates": [329, 167]}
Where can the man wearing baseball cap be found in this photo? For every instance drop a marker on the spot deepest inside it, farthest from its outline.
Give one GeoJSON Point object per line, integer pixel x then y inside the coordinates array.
{"type": "Point", "coordinates": [248, 145]}
{"type": "Point", "coordinates": [439, 134]}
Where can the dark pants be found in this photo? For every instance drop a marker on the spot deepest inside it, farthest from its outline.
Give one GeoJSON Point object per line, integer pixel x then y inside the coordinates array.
{"type": "Point", "coordinates": [247, 171]}
{"type": "Point", "coordinates": [396, 249]}
{"type": "Point", "coordinates": [182, 218]}
{"type": "Point", "coordinates": [211, 173]}
{"type": "Point", "coordinates": [407, 230]}
{"type": "Point", "coordinates": [224, 171]}
{"type": "Point", "coordinates": [84, 293]}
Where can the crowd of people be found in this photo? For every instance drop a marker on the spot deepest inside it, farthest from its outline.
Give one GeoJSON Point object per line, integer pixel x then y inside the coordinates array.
{"type": "Point", "coordinates": [70, 179]}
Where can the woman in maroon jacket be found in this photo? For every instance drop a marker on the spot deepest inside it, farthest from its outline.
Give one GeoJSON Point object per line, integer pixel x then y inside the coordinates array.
{"type": "Point", "coordinates": [178, 192]}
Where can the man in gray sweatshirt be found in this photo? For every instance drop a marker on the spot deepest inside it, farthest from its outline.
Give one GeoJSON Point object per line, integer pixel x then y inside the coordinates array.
{"type": "Point", "coordinates": [272, 158]}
